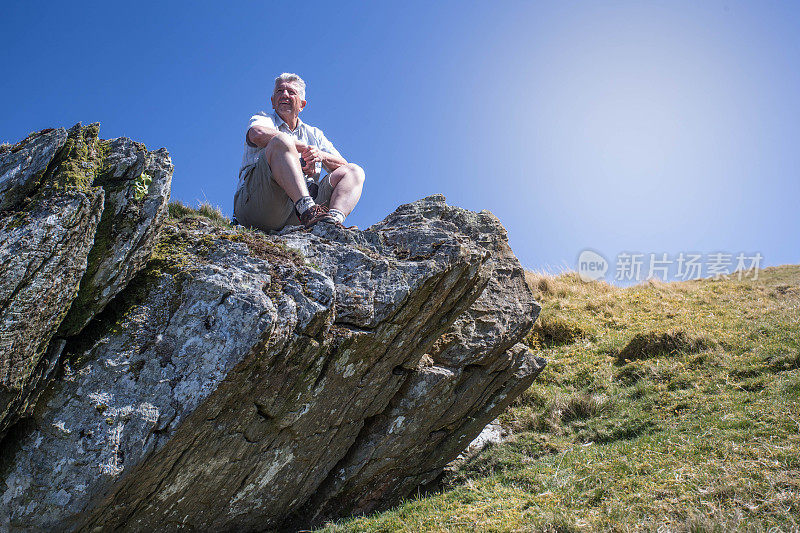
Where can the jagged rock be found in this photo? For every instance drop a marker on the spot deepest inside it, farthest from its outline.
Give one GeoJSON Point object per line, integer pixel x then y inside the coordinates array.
{"type": "Point", "coordinates": [77, 221]}
{"type": "Point", "coordinates": [470, 376]}
{"type": "Point", "coordinates": [137, 185]}
{"type": "Point", "coordinates": [23, 165]}
{"type": "Point", "coordinates": [226, 387]}
{"type": "Point", "coordinates": [43, 261]}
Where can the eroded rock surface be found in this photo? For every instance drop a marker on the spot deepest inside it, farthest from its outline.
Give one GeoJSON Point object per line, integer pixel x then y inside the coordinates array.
{"type": "Point", "coordinates": [74, 222]}
{"type": "Point", "coordinates": [469, 376]}
{"type": "Point", "coordinates": [137, 184]}
{"type": "Point", "coordinates": [246, 382]}
{"type": "Point", "coordinates": [23, 165]}
{"type": "Point", "coordinates": [43, 262]}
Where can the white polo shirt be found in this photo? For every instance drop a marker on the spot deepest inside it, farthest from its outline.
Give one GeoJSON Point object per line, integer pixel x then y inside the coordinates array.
{"type": "Point", "coordinates": [304, 133]}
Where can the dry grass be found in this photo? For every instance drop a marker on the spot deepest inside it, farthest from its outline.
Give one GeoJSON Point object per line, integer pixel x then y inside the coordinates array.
{"type": "Point", "coordinates": [658, 343]}
{"type": "Point", "coordinates": [554, 331]}
{"type": "Point", "coordinates": [664, 406]}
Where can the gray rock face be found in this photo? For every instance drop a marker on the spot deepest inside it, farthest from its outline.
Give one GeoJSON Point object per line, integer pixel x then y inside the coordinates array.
{"type": "Point", "coordinates": [78, 219]}
{"type": "Point", "coordinates": [248, 382]}
{"type": "Point", "coordinates": [137, 186]}
{"type": "Point", "coordinates": [24, 164]}
{"type": "Point", "coordinates": [211, 378]}
{"type": "Point", "coordinates": [43, 260]}
{"type": "Point", "coordinates": [469, 376]}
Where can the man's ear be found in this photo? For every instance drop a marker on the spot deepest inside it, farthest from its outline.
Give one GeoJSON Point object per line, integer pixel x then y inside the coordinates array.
{"type": "Point", "coordinates": [302, 104]}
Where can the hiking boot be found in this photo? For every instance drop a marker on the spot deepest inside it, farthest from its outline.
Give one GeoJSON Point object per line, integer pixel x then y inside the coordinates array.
{"type": "Point", "coordinates": [332, 220]}
{"type": "Point", "coordinates": [314, 214]}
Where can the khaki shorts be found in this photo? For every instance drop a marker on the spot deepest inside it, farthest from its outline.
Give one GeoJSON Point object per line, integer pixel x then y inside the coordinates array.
{"type": "Point", "coordinates": [262, 203]}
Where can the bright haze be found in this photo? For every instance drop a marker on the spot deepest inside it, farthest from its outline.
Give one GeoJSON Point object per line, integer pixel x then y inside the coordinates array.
{"type": "Point", "coordinates": [620, 127]}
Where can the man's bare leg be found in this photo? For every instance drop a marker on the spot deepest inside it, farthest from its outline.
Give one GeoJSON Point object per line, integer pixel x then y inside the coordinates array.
{"type": "Point", "coordinates": [347, 182]}
{"type": "Point", "coordinates": [284, 162]}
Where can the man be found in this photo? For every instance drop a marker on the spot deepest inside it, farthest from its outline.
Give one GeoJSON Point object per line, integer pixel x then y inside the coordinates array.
{"type": "Point", "coordinates": [283, 158]}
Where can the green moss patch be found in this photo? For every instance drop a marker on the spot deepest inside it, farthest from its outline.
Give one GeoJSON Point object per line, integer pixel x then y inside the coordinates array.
{"type": "Point", "coordinates": [177, 250]}
{"type": "Point", "coordinates": [78, 162]}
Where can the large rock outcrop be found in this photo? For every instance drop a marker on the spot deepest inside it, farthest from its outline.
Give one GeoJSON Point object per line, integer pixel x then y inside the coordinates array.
{"type": "Point", "coordinates": [250, 382]}
{"type": "Point", "coordinates": [467, 378]}
{"type": "Point", "coordinates": [78, 219]}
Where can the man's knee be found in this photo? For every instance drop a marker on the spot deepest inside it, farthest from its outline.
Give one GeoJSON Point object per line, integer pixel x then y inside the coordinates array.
{"type": "Point", "coordinates": [280, 143]}
{"type": "Point", "coordinates": [357, 172]}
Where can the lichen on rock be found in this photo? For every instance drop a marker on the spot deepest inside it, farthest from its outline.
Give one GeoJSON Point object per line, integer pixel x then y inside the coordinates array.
{"type": "Point", "coordinates": [72, 237]}
{"type": "Point", "coordinates": [44, 260]}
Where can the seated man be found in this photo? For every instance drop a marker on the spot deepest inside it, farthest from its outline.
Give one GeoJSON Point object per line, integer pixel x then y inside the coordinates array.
{"type": "Point", "coordinates": [283, 158]}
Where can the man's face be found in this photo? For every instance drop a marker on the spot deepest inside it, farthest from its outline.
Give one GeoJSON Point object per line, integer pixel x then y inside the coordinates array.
{"type": "Point", "coordinates": [286, 99]}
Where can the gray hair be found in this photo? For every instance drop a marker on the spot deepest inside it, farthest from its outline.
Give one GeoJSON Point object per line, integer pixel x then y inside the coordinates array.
{"type": "Point", "coordinates": [292, 78]}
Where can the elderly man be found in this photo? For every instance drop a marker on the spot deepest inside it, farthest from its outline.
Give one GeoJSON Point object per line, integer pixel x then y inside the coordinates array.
{"type": "Point", "coordinates": [279, 181]}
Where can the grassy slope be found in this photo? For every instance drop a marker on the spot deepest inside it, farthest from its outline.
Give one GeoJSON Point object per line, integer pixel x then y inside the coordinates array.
{"type": "Point", "coordinates": [695, 425]}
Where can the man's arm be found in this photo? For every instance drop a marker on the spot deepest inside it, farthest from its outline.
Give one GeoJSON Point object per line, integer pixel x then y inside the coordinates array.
{"type": "Point", "coordinates": [329, 156]}
{"type": "Point", "coordinates": [261, 135]}
{"type": "Point", "coordinates": [330, 162]}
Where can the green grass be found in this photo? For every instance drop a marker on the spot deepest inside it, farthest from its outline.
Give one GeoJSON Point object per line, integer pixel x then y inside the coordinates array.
{"type": "Point", "coordinates": [664, 406]}
{"type": "Point", "coordinates": [178, 211]}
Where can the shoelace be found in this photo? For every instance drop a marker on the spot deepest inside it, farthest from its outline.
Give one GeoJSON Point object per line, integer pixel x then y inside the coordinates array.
{"type": "Point", "coordinates": [314, 213]}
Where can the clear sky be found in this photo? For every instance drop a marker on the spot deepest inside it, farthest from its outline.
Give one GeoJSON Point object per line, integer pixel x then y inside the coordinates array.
{"type": "Point", "coordinates": [649, 127]}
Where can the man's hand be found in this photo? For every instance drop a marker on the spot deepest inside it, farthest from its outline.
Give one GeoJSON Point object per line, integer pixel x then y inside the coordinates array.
{"type": "Point", "coordinates": [311, 155]}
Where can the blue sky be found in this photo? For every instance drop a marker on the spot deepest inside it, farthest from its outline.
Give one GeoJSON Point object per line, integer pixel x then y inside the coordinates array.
{"type": "Point", "coordinates": [650, 127]}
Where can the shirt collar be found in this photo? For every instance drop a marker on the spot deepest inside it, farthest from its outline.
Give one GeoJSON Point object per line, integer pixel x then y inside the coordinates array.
{"type": "Point", "coordinates": [278, 121]}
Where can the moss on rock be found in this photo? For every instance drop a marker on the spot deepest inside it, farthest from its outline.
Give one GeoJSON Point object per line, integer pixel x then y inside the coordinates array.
{"type": "Point", "coordinates": [78, 162]}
